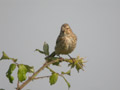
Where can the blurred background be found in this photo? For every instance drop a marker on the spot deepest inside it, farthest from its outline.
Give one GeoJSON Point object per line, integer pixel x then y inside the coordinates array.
{"type": "Point", "coordinates": [26, 24]}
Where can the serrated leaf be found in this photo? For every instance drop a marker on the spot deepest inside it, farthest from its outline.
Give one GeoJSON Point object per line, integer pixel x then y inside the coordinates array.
{"type": "Point", "coordinates": [72, 65]}
{"type": "Point", "coordinates": [22, 70]}
{"type": "Point", "coordinates": [40, 51]}
{"type": "Point", "coordinates": [4, 56]}
{"type": "Point", "coordinates": [53, 78]}
{"type": "Point", "coordinates": [46, 48]}
{"type": "Point", "coordinates": [30, 69]}
{"type": "Point", "coordinates": [78, 67]}
{"type": "Point", "coordinates": [66, 82]}
{"type": "Point", "coordinates": [9, 72]}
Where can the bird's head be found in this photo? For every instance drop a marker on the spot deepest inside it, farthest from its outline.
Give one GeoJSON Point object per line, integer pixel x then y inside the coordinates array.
{"type": "Point", "coordinates": [65, 29]}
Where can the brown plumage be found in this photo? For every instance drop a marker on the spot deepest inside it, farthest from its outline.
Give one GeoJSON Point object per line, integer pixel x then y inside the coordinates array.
{"type": "Point", "coordinates": [66, 41]}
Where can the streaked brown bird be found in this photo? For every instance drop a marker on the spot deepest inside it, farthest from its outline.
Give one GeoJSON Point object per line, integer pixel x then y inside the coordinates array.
{"type": "Point", "coordinates": [66, 41]}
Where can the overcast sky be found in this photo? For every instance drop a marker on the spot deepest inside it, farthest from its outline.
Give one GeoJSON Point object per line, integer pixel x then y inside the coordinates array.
{"type": "Point", "coordinates": [26, 24]}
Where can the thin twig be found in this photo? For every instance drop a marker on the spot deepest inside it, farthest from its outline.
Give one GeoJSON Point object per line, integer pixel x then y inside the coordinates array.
{"type": "Point", "coordinates": [41, 77]}
{"type": "Point", "coordinates": [50, 69]}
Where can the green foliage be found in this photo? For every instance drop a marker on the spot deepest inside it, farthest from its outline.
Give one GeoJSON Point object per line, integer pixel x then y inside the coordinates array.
{"type": "Point", "coordinates": [13, 59]}
{"type": "Point", "coordinates": [68, 72]}
{"type": "Point", "coordinates": [4, 56]}
{"type": "Point", "coordinates": [53, 78]}
{"type": "Point", "coordinates": [22, 70]}
{"type": "Point", "coordinates": [30, 69]}
{"type": "Point", "coordinates": [45, 49]}
{"type": "Point", "coordinates": [57, 63]}
{"type": "Point", "coordinates": [2, 89]}
{"type": "Point", "coordinates": [78, 63]}
{"type": "Point", "coordinates": [52, 59]}
{"type": "Point", "coordinates": [66, 82]}
{"type": "Point", "coordinates": [40, 51]}
{"type": "Point", "coordinates": [9, 72]}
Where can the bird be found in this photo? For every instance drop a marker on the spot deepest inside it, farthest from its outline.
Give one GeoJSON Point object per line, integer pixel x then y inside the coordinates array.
{"type": "Point", "coordinates": [66, 41]}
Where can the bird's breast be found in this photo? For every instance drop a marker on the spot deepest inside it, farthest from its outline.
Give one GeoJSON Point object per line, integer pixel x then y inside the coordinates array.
{"type": "Point", "coordinates": [66, 45]}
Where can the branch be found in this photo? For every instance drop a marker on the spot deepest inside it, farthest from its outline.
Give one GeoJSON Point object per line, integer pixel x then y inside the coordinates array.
{"type": "Point", "coordinates": [36, 73]}
{"type": "Point", "coordinates": [18, 84]}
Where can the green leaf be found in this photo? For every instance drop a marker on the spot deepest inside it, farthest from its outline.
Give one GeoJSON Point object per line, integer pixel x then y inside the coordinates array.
{"type": "Point", "coordinates": [30, 69]}
{"type": "Point", "coordinates": [68, 72]}
{"type": "Point", "coordinates": [72, 65]}
{"type": "Point", "coordinates": [51, 58]}
{"type": "Point", "coordinates": [55, 58]}
{"type": "Point", "coordinates": [22, 70]}
{"type": "Point", "coordinates": [56, 63]}
{"type": "Point", "coordinates": [53, 78]}
{"type": "Point", "coordinates": [4, 56]}
{"type": "Point", "coordinates": [66, 82]}
{"type": "Point", "coordinates": [40, 51]}
{"type": "Point", "coordinates": [46, 48]}
{"type": "Point", "coordinates": [9, 72]}
{"type": "Point", "coordinates": [78, 67]}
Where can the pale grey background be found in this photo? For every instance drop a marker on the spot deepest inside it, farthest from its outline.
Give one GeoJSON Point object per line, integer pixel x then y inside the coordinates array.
{"type": "Point", "coordinates": [26, 24]}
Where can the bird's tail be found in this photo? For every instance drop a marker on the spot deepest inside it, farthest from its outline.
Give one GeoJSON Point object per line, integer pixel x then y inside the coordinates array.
{"type": "Point", "coordinates": [51, 55]}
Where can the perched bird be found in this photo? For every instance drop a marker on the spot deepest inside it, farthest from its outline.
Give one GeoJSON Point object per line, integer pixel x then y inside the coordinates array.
{"type": "Point", "coordinates": [66, 41]}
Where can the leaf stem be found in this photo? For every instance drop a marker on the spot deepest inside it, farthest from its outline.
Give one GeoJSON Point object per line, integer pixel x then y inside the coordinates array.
{"type": "Point", "coordinates": [50, 69]}
{"type": "Point", "coordinates": [42, 77]}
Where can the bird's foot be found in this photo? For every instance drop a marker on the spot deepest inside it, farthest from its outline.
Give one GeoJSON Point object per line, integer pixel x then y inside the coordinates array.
{"type": "Point", "coordinates": [73, 60]}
